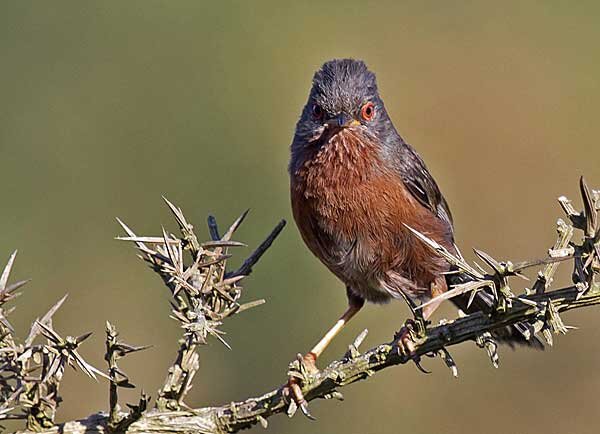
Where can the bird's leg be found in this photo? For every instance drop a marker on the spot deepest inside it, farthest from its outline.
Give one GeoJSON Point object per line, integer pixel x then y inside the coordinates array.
{"type": "Point", "coordinates": [308, 361]}
{"type": "Point", "coordinates": [354, 305]}
{"type": "Point", "coordinates": [420, 317]}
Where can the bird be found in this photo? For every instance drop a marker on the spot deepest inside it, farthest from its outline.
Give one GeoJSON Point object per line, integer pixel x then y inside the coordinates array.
{"type": "Point", "coordinates": [356, 186]}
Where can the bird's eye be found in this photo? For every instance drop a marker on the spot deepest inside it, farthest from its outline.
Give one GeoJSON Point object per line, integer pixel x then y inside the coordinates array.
{"type": "Point", "coordinates": [317, 111]}
{"type": "Point", "coordinates": [367, 111]}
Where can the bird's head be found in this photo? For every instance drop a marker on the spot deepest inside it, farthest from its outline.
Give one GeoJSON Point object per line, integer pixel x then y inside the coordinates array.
{"type": "Point", "coordinates": [343, 101]}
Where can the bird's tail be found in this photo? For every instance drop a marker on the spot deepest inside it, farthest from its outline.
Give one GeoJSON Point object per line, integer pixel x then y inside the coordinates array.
{"type": "Point", "coordinates": [519, 334]}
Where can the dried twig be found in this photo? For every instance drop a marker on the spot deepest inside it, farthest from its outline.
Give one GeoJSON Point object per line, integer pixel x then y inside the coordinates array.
{"type": "Point", "coordinates": [30, 373]}
{"type": "Point", "coordinates": [114, 351]}
{"type": "Point", "coordinates": [204, 293]}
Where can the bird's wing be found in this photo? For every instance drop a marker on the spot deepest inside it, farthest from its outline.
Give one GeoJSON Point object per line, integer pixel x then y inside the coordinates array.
{"type": "Point", "coordinates": [421, 184]}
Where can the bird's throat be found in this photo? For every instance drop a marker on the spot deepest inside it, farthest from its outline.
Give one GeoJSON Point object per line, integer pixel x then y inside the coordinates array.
{"type": "Point", "coordinates": [331, 176]}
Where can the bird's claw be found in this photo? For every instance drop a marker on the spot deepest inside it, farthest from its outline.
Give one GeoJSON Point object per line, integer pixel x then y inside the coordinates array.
{"type": "Point", "coordinates": [410, 336]}
{"type": "Point", "coordinates": [299, 373]}
{"type": "Point", "coordinates": [294, 391]}
{"type": "Point", "coordinates": [405, 342]}
{"type": "Point", "coordinates": [420, 367]}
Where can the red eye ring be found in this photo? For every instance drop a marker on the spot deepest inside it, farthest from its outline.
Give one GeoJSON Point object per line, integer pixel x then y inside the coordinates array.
{"type": "Point", "coordinates": [367, 111]}
{"type": "Point", "coordinates": [317, 111]}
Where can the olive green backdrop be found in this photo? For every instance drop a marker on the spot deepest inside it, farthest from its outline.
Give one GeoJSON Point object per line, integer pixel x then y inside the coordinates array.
{"type": "Point", "coordinates": [106, 106]}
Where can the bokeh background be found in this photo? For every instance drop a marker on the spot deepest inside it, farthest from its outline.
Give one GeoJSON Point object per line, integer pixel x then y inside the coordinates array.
{"type": "Point", "coordinates": [106, 106]}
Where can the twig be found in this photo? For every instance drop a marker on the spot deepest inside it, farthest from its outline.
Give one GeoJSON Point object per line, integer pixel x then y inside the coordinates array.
{"type": "Point", "coordinates": [246, 267]}
{"type": "Point", "coordinates": [116, 350]}
{"type": "Point", "coordinates": [204, 294]}
{"type": "Point", "coordinates": [30, 373]}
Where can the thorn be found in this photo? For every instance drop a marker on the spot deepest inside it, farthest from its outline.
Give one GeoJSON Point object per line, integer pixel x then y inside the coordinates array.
{"type": "Point", "coordinates": [219, 243]}
{"type": "Point", "coordinates": [14, 286]}
{"type": "Point", "coordinates": [125, 227]}
{"type": "Point", "coordinates": [306, 412]}
{"type": "Point", "coordinates": [527, 301]}
{"type": "Point", "coordinates": [591, 215]}
{"type": "Point", "coordinates": [495, 265]}
{"type": "Point", "coordinates": [263, 422]}
{"type": "Point", "coordinates": [250, 305]}
{"type": "Point", "coordinates": [246, 267]}
{"type": "Point", "coordinates": [491, 347]}
{"type": "Point", "coordinates": [6, 272]}
{"type": "Point", "coordinates": [46, 320]}
{"type": "Point", "coordinates": [462, 288]}
{"type": "Point", "coordinates": [420, 367]}
{"type": "Point", "coordinates": [334, 395]}
{"type": "Point", "coordinates": [176, 212]}
{"type": "Point", "coordinates": [360, 338]}
{"type": "Point", "coordinates": [213, 228]}
{"type": "Point", "coordinates": [443, 252]}
{"type": "Point", "coordinates": [83, 337]}
{"type": "Point", "coordinates": [548, 336]}
{"type": "Point", "coordinates": [471, 298]}
{"type": "Point", "coordinates": [449, 361]}
{"type": "Point", "coordinates": [236, 224]}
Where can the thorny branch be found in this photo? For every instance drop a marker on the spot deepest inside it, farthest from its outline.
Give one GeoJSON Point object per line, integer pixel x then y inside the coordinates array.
{"type": "Point", "coordinates": [539, 307]}
{"type": "Point", "coordinates": [204, 293]}
{"type": "Point", "coordinates": [116, 350]}
{"type": "Point", "coordinates": [31, 372]}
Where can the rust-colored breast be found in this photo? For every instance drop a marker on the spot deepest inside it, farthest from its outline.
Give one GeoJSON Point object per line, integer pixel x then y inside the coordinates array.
{"type": "Point", "coordinates": [351, 209]}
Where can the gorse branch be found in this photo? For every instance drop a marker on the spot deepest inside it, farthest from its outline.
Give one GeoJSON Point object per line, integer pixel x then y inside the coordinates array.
{"type": "Point", "coordinates": [116, 350]}
{"type": "Point", "coordinates": [31, 371]}
{"type": "Point", "coordinates": [205, 293]}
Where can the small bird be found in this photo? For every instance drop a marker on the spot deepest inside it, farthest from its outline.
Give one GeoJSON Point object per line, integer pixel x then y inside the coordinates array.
{"type": "Point", "coordinates": [355, 187]}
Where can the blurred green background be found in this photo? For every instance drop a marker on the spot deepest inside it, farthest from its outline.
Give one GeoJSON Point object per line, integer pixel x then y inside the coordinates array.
{"type": "Point", "coordinates": [106, 106]}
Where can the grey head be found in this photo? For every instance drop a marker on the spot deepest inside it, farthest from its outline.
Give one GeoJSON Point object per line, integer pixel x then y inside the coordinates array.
{"type": "Point", "coordinates": [343, 86]}
{"type": "Point", "coordinates": [343, 96]}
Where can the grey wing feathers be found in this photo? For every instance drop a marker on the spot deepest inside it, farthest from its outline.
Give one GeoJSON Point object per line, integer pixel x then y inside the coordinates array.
{"type": "Point", "coordinates": [421, 184]}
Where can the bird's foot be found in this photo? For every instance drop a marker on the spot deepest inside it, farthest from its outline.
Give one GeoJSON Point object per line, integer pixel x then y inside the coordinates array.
{"type": "Point", "coordinates": [410, 336]}
{"type": "Point", "coordinates": [300, 372]}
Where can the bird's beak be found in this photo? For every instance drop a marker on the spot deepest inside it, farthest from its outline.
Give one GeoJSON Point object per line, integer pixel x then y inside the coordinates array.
{"type": "Point", "coordinates": [342, 121]}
